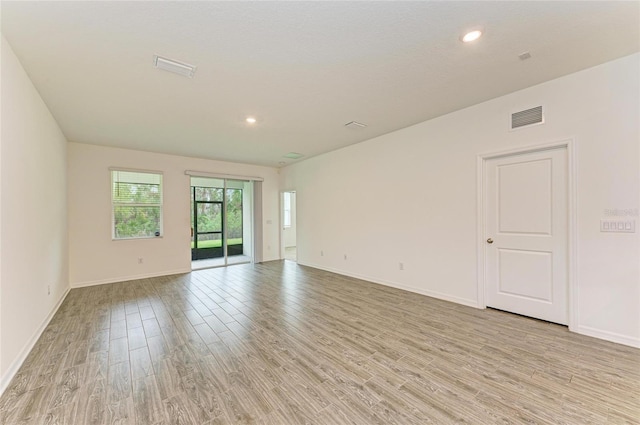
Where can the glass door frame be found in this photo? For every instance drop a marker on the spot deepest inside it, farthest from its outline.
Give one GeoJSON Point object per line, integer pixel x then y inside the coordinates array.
{"type": "Point", "coordinates": [224, 230]}
{"type": "Point", "coordinates": [195, 224]}
{"type": "Point", "coordinates": [227, 202]}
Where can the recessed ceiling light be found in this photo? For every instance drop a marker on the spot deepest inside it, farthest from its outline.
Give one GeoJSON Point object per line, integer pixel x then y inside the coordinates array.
{"type": "Point", "coordinates": [174, 66]}
{"type": "Point", "coordinates": [471, 36]}
{"type": "Point", "coordinates": [251, 120]}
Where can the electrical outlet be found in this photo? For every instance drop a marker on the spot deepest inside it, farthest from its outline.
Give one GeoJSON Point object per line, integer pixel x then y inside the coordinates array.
{"type": "Point", "coordinates": [345, 256]}
{"type": "Point", "coordinates": [322, 253]}
{"type": "Point", "coordinates": [401, 266]}
{"type": "Point", "coordinates": [48, 289]}
{"type": "Point", "coordinates": [140, 260]}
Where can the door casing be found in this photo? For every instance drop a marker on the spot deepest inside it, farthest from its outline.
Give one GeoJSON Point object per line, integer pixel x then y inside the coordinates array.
{"type": "Point", "coordinates": [481, 245]}
{"type": "Point", "coordinates": [281, 222]}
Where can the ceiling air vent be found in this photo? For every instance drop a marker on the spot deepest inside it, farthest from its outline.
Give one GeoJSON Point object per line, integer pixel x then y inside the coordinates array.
{"type": "Point", "coordinates": [527, 117]}
{"type": "Point", "coordinates": [174, 66]}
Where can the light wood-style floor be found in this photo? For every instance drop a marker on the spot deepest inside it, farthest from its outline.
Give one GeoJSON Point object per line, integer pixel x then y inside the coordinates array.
{"type": "Point", "coordinates": [291, 253]}
{"type": "Point", "coordinates": [278, 343]}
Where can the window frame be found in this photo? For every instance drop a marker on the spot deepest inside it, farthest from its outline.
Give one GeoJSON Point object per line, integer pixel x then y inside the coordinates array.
{"type": "Point", "coordinates": [160, 174]}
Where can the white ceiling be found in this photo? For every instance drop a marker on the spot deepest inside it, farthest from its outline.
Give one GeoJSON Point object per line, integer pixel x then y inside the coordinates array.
{"type": "Point", "coordinates": [303, 69]}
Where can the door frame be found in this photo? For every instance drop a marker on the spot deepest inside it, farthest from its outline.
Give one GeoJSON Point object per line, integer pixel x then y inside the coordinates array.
{"type": "Point", "coordinates": [569, 145]}
{"type": "Point", "coordinates": [249, 223]}
{"type": "Point", "coordinates": [281, 222]}
{"type": "Point", "coordinates": [194, 213]}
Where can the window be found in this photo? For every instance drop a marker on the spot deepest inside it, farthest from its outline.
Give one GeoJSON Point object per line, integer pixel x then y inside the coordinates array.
{"type": "Point", "coordinates": [287, 209]}
{"type": "Point", "coordinates": [136, 199]}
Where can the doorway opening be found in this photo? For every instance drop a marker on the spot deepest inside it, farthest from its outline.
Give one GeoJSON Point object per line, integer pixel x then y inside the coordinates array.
{"type": "Point", "coordinates": [221, 218]}
{"type": "Point", "coordinates": [289, 224]}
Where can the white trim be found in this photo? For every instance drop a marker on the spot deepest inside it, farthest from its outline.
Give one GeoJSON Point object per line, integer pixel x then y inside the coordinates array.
{"type": "Point", "coordinates": [13, 368]}
{"type": "Point", "coordinates": [225, 228]}
{"type": "Point", "coordinates": [281, 249]}
{"type": "Point", "coordinates": [608, 336]}
{"type": "Point", "coordinates": [258, 225]}
{"type": "Point", "coordinates": [113, 204]}
{"type": "Point", "coordinates": [129, 278]}
{"type": "Point", "coordinates": [252, 222]}
{"type": "Point", "coordinates": [527, 149]}
{"type": "Point", "coordinates": [282, 227]}
{"type": "Point", "coordinates": [569, 145]}
{"type": "Point", "coordinates": [432, 294]}
{"type": "Point", "coordinates": [480, 232]}
{"type": "Point", "coordinates": [135, 170]}
{"type": "Point", "coordinates": [572, 252]}
{"type": "Point", "coordinates": [193, 173]}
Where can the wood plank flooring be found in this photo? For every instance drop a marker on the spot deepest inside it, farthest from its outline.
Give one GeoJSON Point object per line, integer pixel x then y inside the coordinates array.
{"type": "Point", "coordinates": [279, 343]}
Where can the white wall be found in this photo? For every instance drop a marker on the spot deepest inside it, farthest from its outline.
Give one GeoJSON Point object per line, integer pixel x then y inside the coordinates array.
{"type": "Point", "coordinates": [410, 196]}
{"type": "Point", "coordinates": [33, 221]}
{"type": "Point", "coordinates": [95, 258]}
{"type": "Point", "coordinates": [2, 374]}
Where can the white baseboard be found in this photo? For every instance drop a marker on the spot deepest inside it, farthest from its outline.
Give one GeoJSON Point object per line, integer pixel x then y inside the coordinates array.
{"type": "Point", "coordinates": [128, 278]}
{"type": "Point", "coordinates": [608, 336]}
{"type": "Point", "coordinates": [428, 293]}
{"type": "Point", "coordinates": [5, 380]}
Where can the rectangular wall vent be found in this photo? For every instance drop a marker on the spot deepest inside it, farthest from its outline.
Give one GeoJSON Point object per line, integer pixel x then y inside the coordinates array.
{"type": "Point", "coordinates": [527, 117]}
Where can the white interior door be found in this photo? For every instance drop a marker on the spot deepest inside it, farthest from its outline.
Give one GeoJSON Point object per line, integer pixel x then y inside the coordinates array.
{"type": "Point", "coordinates": [526, 234]}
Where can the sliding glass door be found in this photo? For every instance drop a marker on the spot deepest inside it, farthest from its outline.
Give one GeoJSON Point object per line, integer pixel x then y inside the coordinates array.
{"type": "Point", "coordinates": [234, 212]}
{"type": "Point", "coordinates": [220, 222]}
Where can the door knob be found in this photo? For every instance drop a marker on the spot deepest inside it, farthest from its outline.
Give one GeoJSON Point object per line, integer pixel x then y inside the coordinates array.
{"type": "Point", "coordinates": [489, 241]}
